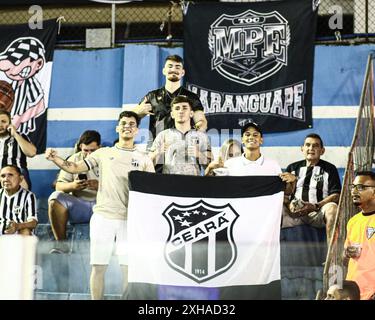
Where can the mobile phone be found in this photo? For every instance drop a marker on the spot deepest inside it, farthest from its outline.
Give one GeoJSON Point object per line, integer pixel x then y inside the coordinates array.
{"type": "Point", "coordinates": [82, 176]}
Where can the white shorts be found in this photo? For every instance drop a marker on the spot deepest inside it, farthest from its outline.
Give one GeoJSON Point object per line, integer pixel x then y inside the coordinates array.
{"type": "Point", "coordinates": [104, 234]}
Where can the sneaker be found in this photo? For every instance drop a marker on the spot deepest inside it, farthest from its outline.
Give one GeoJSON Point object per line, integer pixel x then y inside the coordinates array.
{"type": "Point", "coordinates": [60, 247]}
{"type": "Point", "coordinates": [58, 251]}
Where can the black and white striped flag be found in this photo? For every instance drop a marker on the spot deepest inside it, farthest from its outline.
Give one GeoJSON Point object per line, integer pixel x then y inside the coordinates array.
{"type": "Point", "coordinates": [26, 57]}
{"type": "Point", "coordinates": [204, 237]}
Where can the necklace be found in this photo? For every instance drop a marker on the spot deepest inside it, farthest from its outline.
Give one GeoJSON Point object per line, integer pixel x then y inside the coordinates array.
{"type": "Point", "coordinates": [171, 96]}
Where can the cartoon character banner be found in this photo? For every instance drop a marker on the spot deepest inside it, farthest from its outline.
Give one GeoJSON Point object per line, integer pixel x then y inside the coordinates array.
{"type": "Point", "coordinates": [252, 62]}
{"type": "Point", "coordinates": [25, 77]}
{"type": "Point", "coordinates": [190, 237]}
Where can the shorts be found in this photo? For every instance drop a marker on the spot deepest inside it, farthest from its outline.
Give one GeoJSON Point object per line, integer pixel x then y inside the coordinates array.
{"type": "Point", "coordinates": [105, 234]}
{"type": "Point", "coordinates": [315, 218]}
{"type": "Point", "coordinates": [80, 211]}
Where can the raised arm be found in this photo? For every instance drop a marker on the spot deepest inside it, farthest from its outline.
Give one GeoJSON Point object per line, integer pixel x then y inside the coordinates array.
{"type": "Point", "coordinates": [68, 166]}
{"type": "Point", "coordinates": [27, 147]}
{"type": "Point", "coordinates": [143, 109]}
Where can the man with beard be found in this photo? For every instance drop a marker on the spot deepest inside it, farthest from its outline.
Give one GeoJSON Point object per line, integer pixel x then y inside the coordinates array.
{"type": "Point", "coordinates": [15, 147]}
{"type": "Point", "coordinates": [108, 224]}
{"type": "Point", "coordinates": [360, 238]}
{"type": "Point", "coordinates": [157, 103]}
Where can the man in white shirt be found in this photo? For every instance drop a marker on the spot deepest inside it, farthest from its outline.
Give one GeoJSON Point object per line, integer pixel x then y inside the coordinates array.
{"type": "Point", "coordinates": [252, 162]}
{"type": "Point", "coordinates": [108, 224]}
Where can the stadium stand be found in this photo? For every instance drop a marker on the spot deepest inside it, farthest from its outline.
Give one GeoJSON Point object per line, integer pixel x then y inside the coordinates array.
{"type": "Point", "coordinates": [79, 101]}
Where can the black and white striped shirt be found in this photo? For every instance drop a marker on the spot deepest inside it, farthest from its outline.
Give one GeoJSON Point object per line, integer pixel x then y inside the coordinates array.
{"type": "Point", "coordinates": [19, 207]}
{"type": "Point", "coordinates": [28, 94]}
{"type": "Point", "coordinates": [11, 153]}
{"type": "Point", "coordinates": [315, 183]}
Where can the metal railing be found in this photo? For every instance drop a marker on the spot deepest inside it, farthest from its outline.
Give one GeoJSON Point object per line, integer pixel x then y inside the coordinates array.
{"type": "Point", "coordinates": [161, 21]}
{"type": "Point", "coordinates": [360, 158]}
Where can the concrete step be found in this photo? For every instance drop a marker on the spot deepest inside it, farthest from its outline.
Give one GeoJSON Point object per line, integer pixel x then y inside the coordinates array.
{"type": "Point", "coordinates": [70, 296]}
{"type": "Point", "coordinates": [66, 276]}
{"type": "Point", "coordinates": [301, 283]}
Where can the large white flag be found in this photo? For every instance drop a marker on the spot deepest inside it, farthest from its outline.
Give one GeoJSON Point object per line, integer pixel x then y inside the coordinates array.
{"type": "Point", "coordinates": [217, 236]}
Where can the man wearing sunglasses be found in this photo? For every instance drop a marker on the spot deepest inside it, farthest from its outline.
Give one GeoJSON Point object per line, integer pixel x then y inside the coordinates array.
{"type": "Point", "coordinates": [360, 238]}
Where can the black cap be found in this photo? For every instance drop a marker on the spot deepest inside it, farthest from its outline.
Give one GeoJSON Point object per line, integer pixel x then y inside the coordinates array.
{"type": "Point", "coordinates": [253, 125]}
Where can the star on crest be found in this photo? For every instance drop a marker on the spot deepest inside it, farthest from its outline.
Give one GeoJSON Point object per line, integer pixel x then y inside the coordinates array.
{"type": "Point", "coordinates": [186, 214]}
{"type": "Point", "coordinates": [185, 223]}
{"type": "Point", "coordinates": [178, 217]}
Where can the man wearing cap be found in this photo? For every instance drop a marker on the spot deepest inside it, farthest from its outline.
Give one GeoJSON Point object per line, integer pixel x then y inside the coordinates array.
{"type": "Point", "coordinates": [252, 162]}
{"type": "Point", "coordinates": [20, 62]}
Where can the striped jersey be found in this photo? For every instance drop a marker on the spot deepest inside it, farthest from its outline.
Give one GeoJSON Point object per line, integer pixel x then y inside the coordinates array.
{"type": "Point", "coordinates": [11, 153]}
{"type": "Point", "coordinates": [314, 183]}
{"type": "Point", "coordinates": [19, 207]}
{"type": "Point", "coordinates": [27, 95]}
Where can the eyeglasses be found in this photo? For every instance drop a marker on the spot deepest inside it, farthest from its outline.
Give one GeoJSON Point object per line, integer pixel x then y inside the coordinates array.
{"type": "Point", "coordinates": [359, 187]}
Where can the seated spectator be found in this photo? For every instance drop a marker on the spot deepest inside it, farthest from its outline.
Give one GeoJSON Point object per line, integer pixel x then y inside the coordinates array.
{"type": "Point", "coordinates": [360, 236]}
{"type": "Point", "coordinates": [15, 147]}
{"type": "Point", "coordinates": [348, 291]}
{"type": "Point", "coordinates": [75, 194]}
{"type": "Point", "coordinates": [317, 190]}
{"type": "Point", "coordinates": [231, 148]}
{"type": "Point", "coordinates": [181, 150]}
{"type": "Point", "coordinates": [18, 205]}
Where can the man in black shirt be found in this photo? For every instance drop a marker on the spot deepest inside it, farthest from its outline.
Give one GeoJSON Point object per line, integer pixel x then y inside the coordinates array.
{"type": "Point", "coordinates": [157, 103]}
{"type": "Point", "coordinates": [317, 190]}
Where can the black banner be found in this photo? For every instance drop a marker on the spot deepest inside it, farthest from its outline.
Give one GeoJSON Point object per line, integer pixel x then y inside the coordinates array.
{"type": "Point", "coordinates": [66, 2]}
{"type": "Point", "coordinates": [25, 71]}
{"type": "Point", "coordinates": [252, 62]}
